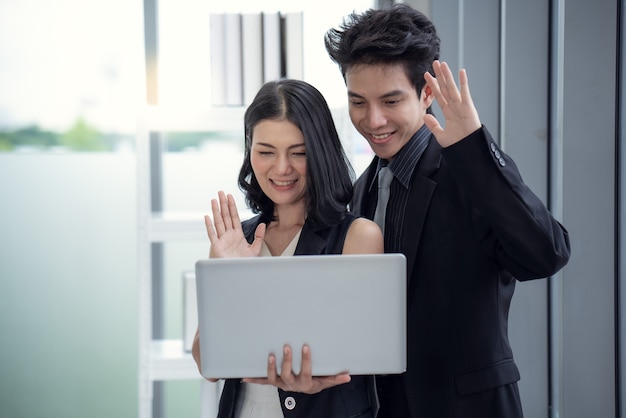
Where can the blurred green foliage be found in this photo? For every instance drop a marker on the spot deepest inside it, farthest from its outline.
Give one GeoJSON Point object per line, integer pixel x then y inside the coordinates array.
{"type": "Point", "coordinates": [81, 136]}
{"type": "Point", "coordinates": [84, 137]}
{"type": "Point", "coordinates": [181, 141]}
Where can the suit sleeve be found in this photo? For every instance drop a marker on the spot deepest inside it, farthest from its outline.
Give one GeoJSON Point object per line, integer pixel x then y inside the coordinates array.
{"type": "Point", "coordinates": [515, 224]}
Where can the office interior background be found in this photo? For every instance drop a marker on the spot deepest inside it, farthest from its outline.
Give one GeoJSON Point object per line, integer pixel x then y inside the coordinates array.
{"type": "Point", "coordinates": [75, 79]}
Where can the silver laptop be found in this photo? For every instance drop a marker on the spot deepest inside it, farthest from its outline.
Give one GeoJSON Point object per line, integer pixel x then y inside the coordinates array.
{"type": "Point", "coordinates": [350, 309]}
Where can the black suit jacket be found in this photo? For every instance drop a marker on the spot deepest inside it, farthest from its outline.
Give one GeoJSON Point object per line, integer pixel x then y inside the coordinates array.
{"type": "Point", "coordinates": [470, 229]}
{"type": "Point", "coordinates": [353, 399]}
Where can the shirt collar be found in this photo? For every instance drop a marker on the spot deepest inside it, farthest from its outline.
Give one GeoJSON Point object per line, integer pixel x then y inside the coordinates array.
{"type": "Point", "coordinates": [405, 161]}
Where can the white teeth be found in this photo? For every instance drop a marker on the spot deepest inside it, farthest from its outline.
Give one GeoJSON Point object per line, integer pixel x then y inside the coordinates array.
{"type": "Point", "coordinates": [383, 136]}
{"type": "Point", "coordinates": [283, 183]}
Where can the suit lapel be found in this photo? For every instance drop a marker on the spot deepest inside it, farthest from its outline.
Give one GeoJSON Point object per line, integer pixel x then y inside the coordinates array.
{"type": "Point", "coordinates": [362, 201]}
{"type": "Point", "coordinates": [311, 241]}
{"type": "Point", "coordinates": [422, 189]}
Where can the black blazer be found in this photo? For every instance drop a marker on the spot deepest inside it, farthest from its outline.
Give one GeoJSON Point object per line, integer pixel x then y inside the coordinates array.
{"type": "Point", "coordinates": [471, 227]}
{"type": "Point", "coordinates": [348, 400]}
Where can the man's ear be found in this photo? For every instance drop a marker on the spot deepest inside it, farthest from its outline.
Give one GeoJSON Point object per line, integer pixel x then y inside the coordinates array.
{"type": "Point", "coordinates": [427, 96]}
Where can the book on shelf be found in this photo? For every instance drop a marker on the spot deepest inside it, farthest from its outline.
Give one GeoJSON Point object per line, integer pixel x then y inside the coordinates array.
{"type": "Point", "coordinates": [271, 47]}
{"type": "Point", "coordinates": [249, 49]}
{"type": "Point", "coordinates": [218, 56]}
{"type": "Point", "coordinates": [252, 49]}
{"type": "Point", "coordinates": [293, 41]}
{"type": "Point", "coordinates": [233, 60]}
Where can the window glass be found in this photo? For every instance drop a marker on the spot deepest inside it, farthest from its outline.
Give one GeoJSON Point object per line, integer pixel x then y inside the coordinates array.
{"type": "Point", "coordinates": [69, 74]}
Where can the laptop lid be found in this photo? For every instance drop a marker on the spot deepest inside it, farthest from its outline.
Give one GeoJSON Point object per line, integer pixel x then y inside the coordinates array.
{"type": "Point", "coordinates": [350, 309]}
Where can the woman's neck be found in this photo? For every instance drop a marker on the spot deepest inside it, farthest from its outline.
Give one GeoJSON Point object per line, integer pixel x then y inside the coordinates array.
{"type": "Point", "coordinates": [288, 216]}
{"type": "Point", "coordinates": [289, 220]}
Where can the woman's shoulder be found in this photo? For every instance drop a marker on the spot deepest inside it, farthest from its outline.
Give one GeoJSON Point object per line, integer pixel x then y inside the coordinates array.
{"type": "Point", "coordinates": [249, 225]}
{"type": "Point", "coordinates": [365, 227]}
{"type": "Point", "coordinates": [251, 221]}
{"type": "Point", "coordinates": [364, 237]}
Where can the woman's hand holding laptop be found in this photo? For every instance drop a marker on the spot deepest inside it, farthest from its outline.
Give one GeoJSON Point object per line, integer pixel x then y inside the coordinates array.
{"type": "Point", "coordinates": [303, 382]}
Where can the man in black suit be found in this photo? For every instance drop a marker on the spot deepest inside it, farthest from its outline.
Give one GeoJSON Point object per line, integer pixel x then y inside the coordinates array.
{"type": "Point", "coordinates": [458, 210]}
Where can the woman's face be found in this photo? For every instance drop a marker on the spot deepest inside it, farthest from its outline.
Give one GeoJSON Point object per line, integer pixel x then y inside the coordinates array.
{"type": "Point", "coordinates": [278, 158]}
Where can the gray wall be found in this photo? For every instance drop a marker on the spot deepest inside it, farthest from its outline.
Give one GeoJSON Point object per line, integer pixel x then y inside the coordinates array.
{"type": "Point", "coordinates": [545, 79]}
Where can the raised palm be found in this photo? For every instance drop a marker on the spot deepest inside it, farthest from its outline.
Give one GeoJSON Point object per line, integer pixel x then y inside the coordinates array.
{"type": "Point", "coordinates": [225, 232]}
{"type": "Point", "coordinates": [461, 117]}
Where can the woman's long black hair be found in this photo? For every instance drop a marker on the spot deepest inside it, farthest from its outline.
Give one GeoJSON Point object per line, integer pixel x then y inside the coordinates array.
{"type": "Point", "coordinates": [329, 173]}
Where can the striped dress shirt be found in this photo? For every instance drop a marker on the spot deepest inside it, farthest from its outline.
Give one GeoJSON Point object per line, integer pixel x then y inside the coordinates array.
{"type": "Point", "coordinates": [402, 166]}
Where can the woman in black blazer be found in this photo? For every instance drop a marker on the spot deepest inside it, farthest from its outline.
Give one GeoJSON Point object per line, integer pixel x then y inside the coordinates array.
{"type": "Point", "coordinates": [295, 175]}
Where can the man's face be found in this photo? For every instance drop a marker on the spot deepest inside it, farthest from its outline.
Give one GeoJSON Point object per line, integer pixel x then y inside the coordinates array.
{"type": "Point", "coordinates": [384, 106]}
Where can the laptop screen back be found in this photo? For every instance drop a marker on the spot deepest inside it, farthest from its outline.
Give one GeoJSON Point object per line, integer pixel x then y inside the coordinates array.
{"type": "Point", "coordinates": [350, 310]}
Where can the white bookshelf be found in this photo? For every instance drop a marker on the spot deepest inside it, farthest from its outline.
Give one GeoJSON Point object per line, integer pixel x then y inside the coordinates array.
{"type": "Point", "coordinates": [176, 226]}
{"type": "Point", "coordinates": [163, 360]}
{"type": "Point", "coordinates": [186, 79]}
{"type": "Point", "coordinates": [168, 361]}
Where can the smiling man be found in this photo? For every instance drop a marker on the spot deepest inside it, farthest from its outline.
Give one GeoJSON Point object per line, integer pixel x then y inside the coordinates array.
{"type": "Point", "coordinates": [458, 209]}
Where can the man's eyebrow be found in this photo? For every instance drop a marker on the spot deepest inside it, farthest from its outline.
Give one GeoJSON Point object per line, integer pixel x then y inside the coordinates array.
{"type": "Point", "coordinates": [392, 93]}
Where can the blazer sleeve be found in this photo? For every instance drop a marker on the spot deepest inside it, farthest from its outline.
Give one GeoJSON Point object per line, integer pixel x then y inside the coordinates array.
{"type": "Point", "coordinates": [524, 236]}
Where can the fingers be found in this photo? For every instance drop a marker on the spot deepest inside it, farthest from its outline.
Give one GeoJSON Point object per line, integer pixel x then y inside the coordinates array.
{"type": "Point", "coordinates": [433, 83]}
{"type": "Point", "coordinates": [303, 382]}
{"type": "Point", "coordinates": [432, 124]}
{"type": "Point", "coordinates": [286, 371]}
{"type": "Point", "coordinates": [234, 213]}
{"type": "Point", "coordinates": [210, 230]}
{"type": "Point", "coordinates": [443, 74]}
{"type": "Point", "coordinates": [272, 373]}
{"type": "Point", "coordinates": [446, 85]}
{"type": "Point", "coordinates": [461, 117]}
{"type": "Point", "coordinates": [257, 380]}
{"type": "Point", "coordinates": [217, 218]}
{"type": "Point", "coordinates": [306, 368]}
{"type": "Point", "coordinates": [226, 216]}
{"type": "Point", "coordinates": [330, 381]}
{"type": "Point", "coordinates": [465, 91]}
{"type": "Point", "coordinates": [259, 236]}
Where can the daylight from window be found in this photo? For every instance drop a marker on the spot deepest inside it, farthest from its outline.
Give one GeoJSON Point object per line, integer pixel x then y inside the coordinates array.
{"type": "Point", "coordinates": [72, 72]}
{"type": "Point", "coordinates": [73, 106]}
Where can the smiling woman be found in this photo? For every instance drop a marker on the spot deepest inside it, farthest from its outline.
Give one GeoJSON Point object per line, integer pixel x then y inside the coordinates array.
{"type": "Point", "coordinates": [278, 158]}
{"type": "Point", "coordinates": [298, 182]}
{"type": "Point", "coordinates": [74, 69]}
